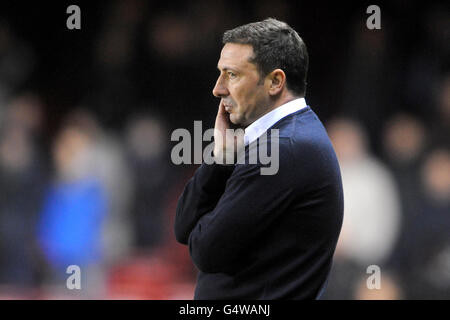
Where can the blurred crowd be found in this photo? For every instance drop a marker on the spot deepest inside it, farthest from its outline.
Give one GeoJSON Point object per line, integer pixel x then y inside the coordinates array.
{"type": "Point", "coordinates": [86, 177]}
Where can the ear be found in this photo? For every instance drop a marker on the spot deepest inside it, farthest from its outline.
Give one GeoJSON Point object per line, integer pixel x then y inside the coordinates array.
{"type": "Point", "coordinates": [277, 81]}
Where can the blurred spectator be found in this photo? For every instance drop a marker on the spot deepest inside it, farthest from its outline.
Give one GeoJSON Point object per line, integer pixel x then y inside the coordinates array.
{"type": "Point", "coordinates": [108, 163]}
{"type": "Point", "coordinates": [147, 151]}
{"type": "Point", "coordinates": [22, 177]}
{"type": "Point", "coordinates": [371, 205]}
{"type": "Point", "coordinates": [74, 210]}
{"type": "Point", "coordinates": [404, 142]}
{"type": "Point", "coordinates": [83, 222]}
{"type": "Point", "coordinates": [25, 111]}
{"type": "Point", "coordinates": [424, 260]}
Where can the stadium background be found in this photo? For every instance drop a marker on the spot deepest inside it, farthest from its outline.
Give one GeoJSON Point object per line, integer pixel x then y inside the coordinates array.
{"type": "Point", "coordinates": [86, 115]}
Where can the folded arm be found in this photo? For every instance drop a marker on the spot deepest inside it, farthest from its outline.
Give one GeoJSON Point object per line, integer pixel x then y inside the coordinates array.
{"type": "Point", "coordinates": [222, 236]}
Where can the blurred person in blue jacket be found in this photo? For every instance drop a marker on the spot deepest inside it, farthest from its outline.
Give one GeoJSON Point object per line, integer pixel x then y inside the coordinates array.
{"type": "Point", "coordinates": [69, 230]}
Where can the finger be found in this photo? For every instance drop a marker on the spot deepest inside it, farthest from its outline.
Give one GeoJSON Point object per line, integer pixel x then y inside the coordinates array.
{"type": "Point", "coordinates": [221, 107]}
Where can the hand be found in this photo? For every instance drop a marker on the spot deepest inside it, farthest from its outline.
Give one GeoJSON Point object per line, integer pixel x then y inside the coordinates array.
{"type": "Point", "coordinates": [228, 140]}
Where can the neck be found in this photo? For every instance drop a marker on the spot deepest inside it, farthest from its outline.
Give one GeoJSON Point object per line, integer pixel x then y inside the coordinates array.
{"type": "Point", "coordinates": [283, 99]}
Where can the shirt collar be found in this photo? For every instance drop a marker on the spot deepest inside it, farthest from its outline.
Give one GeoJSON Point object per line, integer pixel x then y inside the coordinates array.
{"type": "Point", "coordinates": [257, 128]}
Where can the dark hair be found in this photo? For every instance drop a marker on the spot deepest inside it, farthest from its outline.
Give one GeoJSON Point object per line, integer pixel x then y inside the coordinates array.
{"type": "Point", "coordinates": [275, 45]}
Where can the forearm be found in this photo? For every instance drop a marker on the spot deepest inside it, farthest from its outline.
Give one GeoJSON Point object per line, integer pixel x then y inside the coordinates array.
{"type": "Point", "coordinates": [199, 197]}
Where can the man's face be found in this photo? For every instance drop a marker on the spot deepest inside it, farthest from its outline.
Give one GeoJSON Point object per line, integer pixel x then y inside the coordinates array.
{"type": "Point", "coordinates": [244, 96]}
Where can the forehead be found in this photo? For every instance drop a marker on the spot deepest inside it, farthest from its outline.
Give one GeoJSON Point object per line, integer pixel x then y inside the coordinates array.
{"type": "Point", "coordinates": [236, 56]}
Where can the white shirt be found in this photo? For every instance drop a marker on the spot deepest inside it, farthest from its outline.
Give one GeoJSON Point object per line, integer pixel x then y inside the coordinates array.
{"type": "Point", "coordinates": [257, 128]}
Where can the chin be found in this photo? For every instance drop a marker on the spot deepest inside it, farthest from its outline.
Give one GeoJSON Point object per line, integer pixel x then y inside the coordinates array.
{"type": "Point", "coordinates": [234, 120]}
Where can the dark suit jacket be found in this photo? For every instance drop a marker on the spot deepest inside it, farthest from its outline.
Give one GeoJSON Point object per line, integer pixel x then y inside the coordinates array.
{"type": "Point", "coordinates": [256, 236]}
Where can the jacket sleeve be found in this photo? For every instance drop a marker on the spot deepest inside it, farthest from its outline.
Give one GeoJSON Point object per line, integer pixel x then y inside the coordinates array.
{"type": "Point", "coordinates": [250, 203]}
{"type": "Point", "coordinates": [200, 196]}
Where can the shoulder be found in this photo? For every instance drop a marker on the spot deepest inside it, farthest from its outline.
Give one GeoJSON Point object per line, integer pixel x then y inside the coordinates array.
{"type": "Point", "coordinates": [303, 138]}
{"type": "Point", "coordinates": [301, 133]}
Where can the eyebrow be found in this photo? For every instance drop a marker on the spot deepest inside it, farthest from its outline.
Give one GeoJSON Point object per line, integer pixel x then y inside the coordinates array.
{"type": "Point", "coordinates": [225, 68]}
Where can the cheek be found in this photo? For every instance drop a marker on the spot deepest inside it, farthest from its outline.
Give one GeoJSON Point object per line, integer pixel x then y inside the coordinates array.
{"type": "Point", "coordinates": [245, 97]}
{"type": "Point", "coordinates": [254, 98]}
{"type": "Point", "coordinates": [237, 94]}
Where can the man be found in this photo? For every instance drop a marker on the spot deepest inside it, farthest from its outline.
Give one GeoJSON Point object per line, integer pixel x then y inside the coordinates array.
{"type": "Point", "coordinates": [256, 236]}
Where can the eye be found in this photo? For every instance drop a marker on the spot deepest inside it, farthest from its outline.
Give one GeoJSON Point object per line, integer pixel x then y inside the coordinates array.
{"type": "Point", "coordinates": [231, 74]}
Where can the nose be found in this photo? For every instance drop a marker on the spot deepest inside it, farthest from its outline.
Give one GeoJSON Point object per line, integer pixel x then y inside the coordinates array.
{"type": "Point", "coordinates": [220, 89]}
